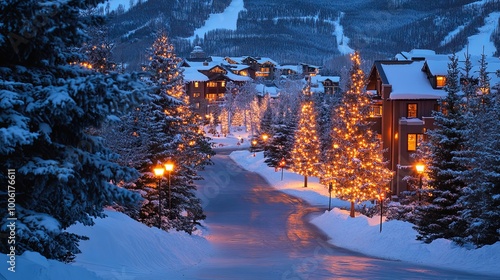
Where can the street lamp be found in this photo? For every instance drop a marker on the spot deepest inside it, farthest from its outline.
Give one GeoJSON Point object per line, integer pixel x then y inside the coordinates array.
{"type": "Point", "coordinates": [420, 169]}
{"type": "Point", "coordinates": [254, 143]}
{"type": "Point", "coordinates": [169, 166]}
{"type": "Point", "coordinates": [282, 165]}
{"type": "Point", "coordinates": [158, 171]}
{"type": "Point", "coordinates": [265, 137]}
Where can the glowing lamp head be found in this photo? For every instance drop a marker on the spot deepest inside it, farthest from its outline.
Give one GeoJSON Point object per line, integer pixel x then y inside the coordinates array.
{"type": "Point", "coordinates": [254, 142]}
{"type": "Point", "coordinates": [420, 167]}
{"type": "Point", "coordinates": [169, 166]}
{"type": "Point", "coordinates": [158, 171]}
{"type": "Point", "coordinates": [265, 137]}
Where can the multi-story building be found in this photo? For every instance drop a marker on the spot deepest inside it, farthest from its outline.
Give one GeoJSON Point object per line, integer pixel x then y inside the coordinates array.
{"type": "Point", "coordinates": [405, 93]}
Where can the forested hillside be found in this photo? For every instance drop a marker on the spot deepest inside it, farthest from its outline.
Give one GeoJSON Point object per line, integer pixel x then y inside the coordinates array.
{"type": "Point", "coordinates": [292, 31]}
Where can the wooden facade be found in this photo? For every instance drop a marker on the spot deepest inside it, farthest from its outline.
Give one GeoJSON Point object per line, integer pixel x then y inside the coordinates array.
{"type": "Point", "coordinates": [402, 114]}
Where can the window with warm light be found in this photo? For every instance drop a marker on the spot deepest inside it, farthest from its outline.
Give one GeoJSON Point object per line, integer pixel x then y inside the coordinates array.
{"type": "Point", "coordinates": [196, 84]}
{"type": "Point", "coordinates": [196, 94]}
{"type": "Point", "coordinates": [223, 83]}
{"type": "Point", "coordinates": [211, 97]}
{"type": "Point", "coordinates": [414, 140]}
{"type": "Point", "coordinates": [411, 110]}
{"type": "Point", "coordinates": [440, 81]}
{"type": "Point", "coordinates": [376, 111]}
{"type": "Point", "coordinates": [212, 84]}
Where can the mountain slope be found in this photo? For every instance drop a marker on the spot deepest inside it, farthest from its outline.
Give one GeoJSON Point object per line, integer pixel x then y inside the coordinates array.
{"type": "Point", "coordinates": [292, 31]}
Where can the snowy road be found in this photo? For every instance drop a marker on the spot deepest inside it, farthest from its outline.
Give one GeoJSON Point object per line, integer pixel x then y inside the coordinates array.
{"type": "Point", "coordinates": [261, 233]}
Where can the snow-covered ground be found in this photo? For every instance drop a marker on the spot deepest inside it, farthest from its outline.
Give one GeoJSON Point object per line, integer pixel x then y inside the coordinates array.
{"type": "Point", "coordinates": [119, 248]}
{"type": "Point", "coordinates": [482, 41]}
{"type": "Point", "coordinates": [342, 40]}
{"type": "Point", "coordinates": [228, 19]}
{"type": "Point", "coordinates": [397, 239]}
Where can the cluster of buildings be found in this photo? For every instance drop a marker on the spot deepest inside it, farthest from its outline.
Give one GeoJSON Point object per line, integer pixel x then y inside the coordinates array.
{"type": "Point", "coordinates": [405, 92]}
{"type": "Point", "coordinates": [206, 77]}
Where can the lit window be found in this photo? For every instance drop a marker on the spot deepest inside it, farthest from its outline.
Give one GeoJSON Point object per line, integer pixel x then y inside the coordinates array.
{"type": "Point", "coordinates": [223, 84]}
{"type": "Point", "coordinates": [440, 81]}
{"type": "Point", "coordinates": [196, 84]}
{"type": "Point", "coordinates": [197, 105]}
{"type": "Point", "coordinates": [411, 110]}
{"type": "Point", "coordinates": [376, 111]}
{"type": "Point", "coordinates": [196, 94]}
{"type": "Point", "coordinates": [414, 140]}
{"type": "Point", "coordinates": [211, 97]}
{"type": "Point", "coordinates": [212, 84]}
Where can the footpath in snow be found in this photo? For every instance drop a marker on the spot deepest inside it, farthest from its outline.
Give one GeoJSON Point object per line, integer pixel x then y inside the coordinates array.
{"type": "Point", "coordinates": [362, 234]}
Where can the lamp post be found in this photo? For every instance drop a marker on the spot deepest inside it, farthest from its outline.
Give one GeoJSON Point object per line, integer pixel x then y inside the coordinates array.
{"type": "Point", "coordinates": [254, 143]}
{"type": "Point", "coordinates": [158, 171]}
{"type": "Point", "coordinates": [282, 165]}
{"type": "Point", "coordinates": [169, 166]}
{"type": "Point", "coordinates": [420, 169]}
{"type": "Point", "coordinates": [330, 189]}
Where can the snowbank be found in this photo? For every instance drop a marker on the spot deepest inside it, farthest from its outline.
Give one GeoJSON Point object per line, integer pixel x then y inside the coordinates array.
{"type": "Point", "coordinates": [362, 234]}
{"type": "Point", "coordinates": [118, 248]}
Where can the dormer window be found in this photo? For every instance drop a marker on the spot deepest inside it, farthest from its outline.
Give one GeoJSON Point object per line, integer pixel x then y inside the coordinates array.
{"type": "Point", "coordinates": [440, 81]}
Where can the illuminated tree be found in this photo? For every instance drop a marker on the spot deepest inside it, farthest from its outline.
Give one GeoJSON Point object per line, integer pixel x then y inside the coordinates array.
{"type": "Point", "coordinates": [306, 147]}
{"type": "Point", "coordinates": [355, 166]}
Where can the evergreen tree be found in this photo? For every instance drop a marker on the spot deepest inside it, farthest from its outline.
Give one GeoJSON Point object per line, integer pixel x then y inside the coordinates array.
{"type": "Point", "coordinates": [173, 135]}
{"type": "Point", "coordinates": [64, 175]}
{"type": "Point", "coordinates": [481, 196]}
{"type": "Point", "coordinates": [441, 219]}
{"type": "Point", "coordinates": [306, 147]}
{"type": "Point", "coordinates": [355, 167]}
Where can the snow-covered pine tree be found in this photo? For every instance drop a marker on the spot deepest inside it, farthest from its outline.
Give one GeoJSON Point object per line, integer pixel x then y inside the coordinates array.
{"type": "Point", "coordinates": [174, 133]}
{"type": "Point", "coordinates": [441, 218]}
{"type": "Point", "coordinates": [355, 166]}
{"type": "Point", "coordinates": [63, 174]}
{"type": "Point", "coordinates": [481, 196]}
{"type": "Point", "coordinates": [304, 157]}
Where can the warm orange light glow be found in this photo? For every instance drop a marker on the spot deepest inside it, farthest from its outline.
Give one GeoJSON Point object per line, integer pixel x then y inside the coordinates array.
{"type": "Point", "coordinates": [254, 142]}
{"type": "Point", "coordinates": [265, 137]}
{"type": "Point", "coordinates": [158, 171]}
{"type": "Point", "coordinates": [169, 166]}
{"type": "Point", "coordinates": [420, 167]}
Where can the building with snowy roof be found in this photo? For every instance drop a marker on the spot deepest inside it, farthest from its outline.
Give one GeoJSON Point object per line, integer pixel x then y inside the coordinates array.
{"type": "Point", "coordinates": [405, 93]}
{"type": "Point", "coordinates": [206, 77]}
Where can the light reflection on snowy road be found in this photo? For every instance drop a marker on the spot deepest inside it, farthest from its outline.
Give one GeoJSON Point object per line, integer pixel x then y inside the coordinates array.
{"type": "Point", "coordinates": [261, 233]}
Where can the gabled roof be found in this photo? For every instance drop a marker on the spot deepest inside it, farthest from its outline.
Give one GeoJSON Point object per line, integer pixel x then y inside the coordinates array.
{"type": "Point", "coordinates": [407, 79]}
{"type": "Point", "coordinates": [319, 78]}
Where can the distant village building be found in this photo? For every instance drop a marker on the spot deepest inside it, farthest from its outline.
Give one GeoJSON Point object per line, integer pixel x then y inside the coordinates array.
{"type": "Point", "coordinates": [206, 77]}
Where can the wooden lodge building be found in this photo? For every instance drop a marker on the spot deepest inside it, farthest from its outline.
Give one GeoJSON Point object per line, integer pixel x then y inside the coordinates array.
{"type": "Point", "coordinates": [405, 93]}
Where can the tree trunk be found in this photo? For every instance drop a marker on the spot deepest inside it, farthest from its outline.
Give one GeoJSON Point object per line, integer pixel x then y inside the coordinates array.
{"type": "Point", "coordinates": [305, 181]}
{"type": "Point", "coordinates": [353, 214]}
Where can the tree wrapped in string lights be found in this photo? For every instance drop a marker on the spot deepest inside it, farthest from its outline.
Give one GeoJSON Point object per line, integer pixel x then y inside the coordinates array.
{"type": "Point", "coordinates": [355, 165]}
{"type": "Point", "coordinates": [306, 148]}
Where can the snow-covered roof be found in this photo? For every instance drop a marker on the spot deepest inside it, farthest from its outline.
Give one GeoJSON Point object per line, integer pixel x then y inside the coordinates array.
{"type": "Point", "coordinates": [410, 82]}
{"type": "Point", "coordinates": [320, 79]}
{"type": "Point", "coordinates": [263, 60]}
{"type": "Point", "coordinates": [438, 67]}
{"type": "Point", "coordinates": [271, 90]}
{"type": "Point", "coordinates": [193, 75]}
{"type": "Point", "coordinates": [237, 78]}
